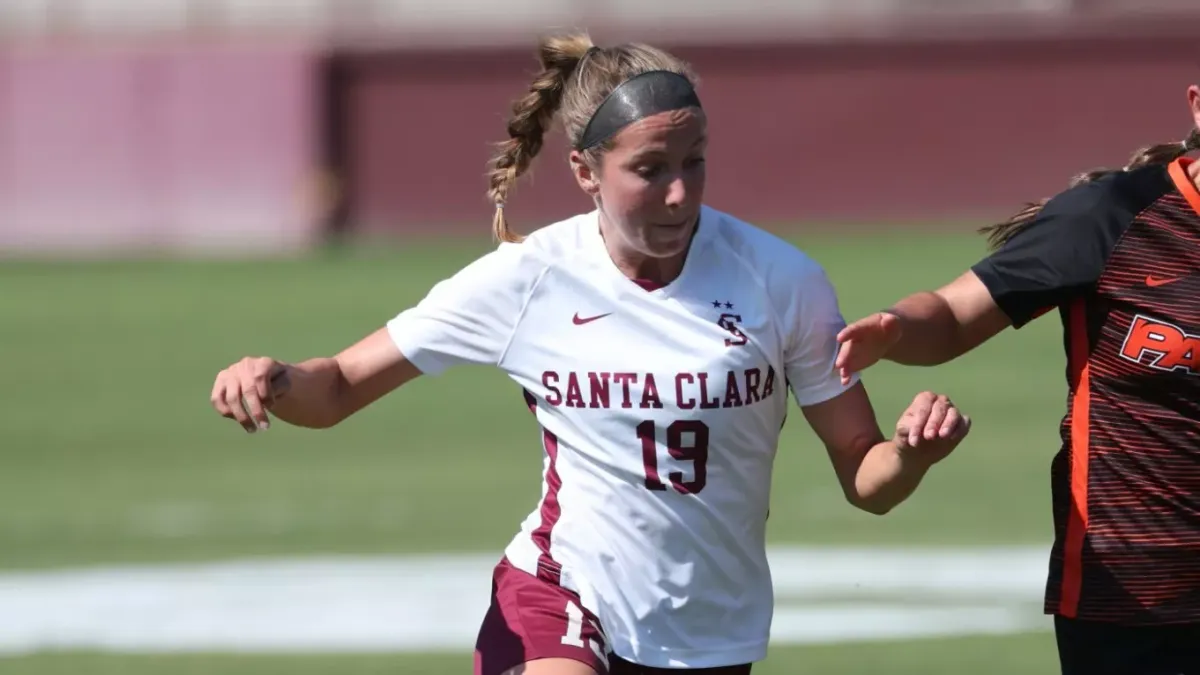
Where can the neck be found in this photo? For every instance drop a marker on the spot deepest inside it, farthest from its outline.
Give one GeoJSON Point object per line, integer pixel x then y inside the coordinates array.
{"type": "Point", "coordinates": [644, 268]}
{"type": "Point", "coordinates": [1193, 172]}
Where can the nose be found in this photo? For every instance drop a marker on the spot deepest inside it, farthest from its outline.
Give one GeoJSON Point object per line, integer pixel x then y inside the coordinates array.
{"type": "Point", "coordinates": [676, 192]}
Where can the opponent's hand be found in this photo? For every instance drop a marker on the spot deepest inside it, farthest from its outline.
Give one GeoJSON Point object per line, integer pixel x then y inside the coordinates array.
{"type": "Point", "coordinates": [864, 342]}
{"type": "Point", "coordinates": [931, 428]}
{"type": "Point", "coordinates": [246, 389]}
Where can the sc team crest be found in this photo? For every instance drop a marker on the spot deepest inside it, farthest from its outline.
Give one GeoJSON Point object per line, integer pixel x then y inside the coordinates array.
{"type": "Point", "coordinates": [729, 321]}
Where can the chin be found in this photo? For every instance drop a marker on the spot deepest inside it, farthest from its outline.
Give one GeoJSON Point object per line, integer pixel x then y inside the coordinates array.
{"type": "Point", "coordinates": [665, 241]}
{"type": "Point", "coordinates": [661, 248]}
{"type": "Point", "coordinates": [664, 250]}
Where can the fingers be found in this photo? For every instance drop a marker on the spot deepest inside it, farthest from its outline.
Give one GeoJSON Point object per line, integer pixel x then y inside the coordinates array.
{"type": "Point", "coordinates": [938, 413]}
{"type": "Point", "coordinates": [889, 324]}
{"type": "Point", "coordinates": [912, 422]}
{"type": "Point", "coordinates": [253, 402]}
{"type": "Point", "coordinates": [243, 391]}
{"type": "Point", "coordinates": [948, 426]}
{"type": "Point", "coordinates": [233, 401]}
{"type": "Point", "coordinates": [852, 331]}
{"type": "Point", "coordinates": [843, 363]}
{"type": "Point", "coordinates": [864, 343]}
{"type": "Point", "coordinates": [961, 428]}
{"type": "Point", "coordinates": [884, 325]}
{"type": "Point", "coordinates": [256, 391]}
{"type": "Point", "coordinates": [852, 358]}
{"type": "Point", "coordinates": [217, 398]}
{"type": "Point", "coordinates": [260, 380]}
{"type": "Point", "coordinates": [933, 425]}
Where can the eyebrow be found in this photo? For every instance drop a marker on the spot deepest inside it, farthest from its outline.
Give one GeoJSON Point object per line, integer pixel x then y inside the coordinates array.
{"type": "Point", "coordinates": [657, 151]}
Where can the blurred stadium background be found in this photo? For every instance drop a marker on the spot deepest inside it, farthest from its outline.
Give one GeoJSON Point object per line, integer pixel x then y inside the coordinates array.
{"type": "Point", "coordinates": [184, 182]}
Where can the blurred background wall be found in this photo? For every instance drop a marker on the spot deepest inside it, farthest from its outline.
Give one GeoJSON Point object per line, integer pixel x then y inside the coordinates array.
{"type": "Point", "coordinates": [265, 125]}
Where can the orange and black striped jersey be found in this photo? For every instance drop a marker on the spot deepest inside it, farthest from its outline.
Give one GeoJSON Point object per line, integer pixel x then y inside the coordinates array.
{"type": "Point", "coordinates": [1120, 259]}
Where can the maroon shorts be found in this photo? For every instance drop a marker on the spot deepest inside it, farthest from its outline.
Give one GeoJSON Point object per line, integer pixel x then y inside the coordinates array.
{"type": "Point", "coordinates": [531, 619]}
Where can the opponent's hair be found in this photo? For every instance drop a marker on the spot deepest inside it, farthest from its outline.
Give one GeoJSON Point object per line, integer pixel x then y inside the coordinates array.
{"type": "Point", "coordinates": [576, 77]}
{"type": "Point", "coordinates": [999, 233]}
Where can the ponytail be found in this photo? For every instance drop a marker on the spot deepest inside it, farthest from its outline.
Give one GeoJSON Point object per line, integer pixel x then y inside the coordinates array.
{"type": "Point", "coordinates": [531, 118]}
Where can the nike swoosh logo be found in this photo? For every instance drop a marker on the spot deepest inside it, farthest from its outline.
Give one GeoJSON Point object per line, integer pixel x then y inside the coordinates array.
{"type": "Point", "coordinates": [580, 321]}
{"type": "Point", "coordinates": [1153, 281]}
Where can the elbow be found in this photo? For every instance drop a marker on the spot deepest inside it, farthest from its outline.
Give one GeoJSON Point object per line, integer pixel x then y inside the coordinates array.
{"type": "Point", "coordinates": [874, 507]}
{"type": "Point", "coordinates": [867, 500]}
{"type": "Point", "coordinates": [877, 509]}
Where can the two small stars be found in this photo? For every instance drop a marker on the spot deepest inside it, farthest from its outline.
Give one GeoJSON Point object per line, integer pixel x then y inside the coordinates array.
{"type": "Point", "coordinates": [718, 304]}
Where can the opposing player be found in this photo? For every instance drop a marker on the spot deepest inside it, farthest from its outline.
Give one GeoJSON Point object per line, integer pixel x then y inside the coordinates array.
{"type": "Point", "coordinates": [1118, 254]}
{"type": "Point", "coordinates": [656, 341]}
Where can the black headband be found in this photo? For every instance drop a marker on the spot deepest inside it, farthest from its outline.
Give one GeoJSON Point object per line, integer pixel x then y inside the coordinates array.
{"type": "Point", "coordinates": [641, 96]}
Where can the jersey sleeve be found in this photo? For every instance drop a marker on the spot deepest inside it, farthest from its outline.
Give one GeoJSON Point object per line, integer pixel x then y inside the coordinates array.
{"type": "Point", "coordinates": [469, 317]}
{"type": "Point", "coordinates": [814, 319]}
{"type": "Point", "coordinates": [1053, 260]}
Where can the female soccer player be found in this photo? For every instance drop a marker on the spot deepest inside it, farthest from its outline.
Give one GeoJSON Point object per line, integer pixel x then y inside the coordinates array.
{"type": "Point", "coordinates": [1118, 254]}
{"type": "Point", "coordinates": [656, 340]}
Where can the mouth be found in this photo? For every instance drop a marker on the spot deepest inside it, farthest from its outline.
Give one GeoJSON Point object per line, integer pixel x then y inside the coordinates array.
{"type": "Point", "coordinates": [686, 222]}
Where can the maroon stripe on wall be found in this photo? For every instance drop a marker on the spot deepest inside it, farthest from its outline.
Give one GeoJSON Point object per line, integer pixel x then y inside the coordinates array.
{"type": "Point", "coordinates": [871, 130]}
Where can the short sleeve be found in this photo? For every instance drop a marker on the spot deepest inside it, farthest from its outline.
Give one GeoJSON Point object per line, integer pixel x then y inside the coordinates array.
{"type": "Point", "coordinates": [1058, 257]}
{"type": "Point", "coordinates": [814, 320]}
{"type": "Point", "coordinates": [470, 317]}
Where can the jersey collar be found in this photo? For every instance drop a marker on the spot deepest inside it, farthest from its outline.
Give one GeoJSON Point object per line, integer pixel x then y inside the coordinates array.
{"type": "Point", "coordinates": [1183, 182]}
{"type": "Point", "coordinates": [704, 232]}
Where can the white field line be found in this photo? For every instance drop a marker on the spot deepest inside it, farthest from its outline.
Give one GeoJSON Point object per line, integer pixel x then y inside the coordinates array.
{"type": "Point", "coordinates": [434, 603]}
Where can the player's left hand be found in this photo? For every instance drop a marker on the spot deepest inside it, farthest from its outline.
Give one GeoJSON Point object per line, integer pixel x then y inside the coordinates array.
{"type": "Point", "coordinates": [931, 428]}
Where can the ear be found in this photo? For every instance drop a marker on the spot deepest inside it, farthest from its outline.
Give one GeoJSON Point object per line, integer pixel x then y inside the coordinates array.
{"type": "Point", "coordinates": [587, 178]}
{"type": "Point", "coordinates": [1193, 95]}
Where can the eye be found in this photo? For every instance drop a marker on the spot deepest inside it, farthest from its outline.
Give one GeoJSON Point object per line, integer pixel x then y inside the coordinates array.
{"type": "Point", "coordinates": [694, 162]}
{"type": "Point", "coordinates": [649, 171]}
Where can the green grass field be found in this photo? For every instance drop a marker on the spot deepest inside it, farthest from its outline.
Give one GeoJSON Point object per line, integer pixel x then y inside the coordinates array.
{"type": "Point", "coordinates": [111, 453]}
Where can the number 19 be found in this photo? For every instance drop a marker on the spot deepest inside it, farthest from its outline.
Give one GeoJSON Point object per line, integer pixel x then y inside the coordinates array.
{"type": "Point", "coordinates": [687, 441]}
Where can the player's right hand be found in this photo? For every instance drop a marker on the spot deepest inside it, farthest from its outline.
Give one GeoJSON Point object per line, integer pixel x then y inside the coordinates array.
{"type": "Point", "coordinates": [864, 342]}
{"type": "Point", "coordinates": [245, 390]}
{"type": "Point", "coordinates": [931, 428]}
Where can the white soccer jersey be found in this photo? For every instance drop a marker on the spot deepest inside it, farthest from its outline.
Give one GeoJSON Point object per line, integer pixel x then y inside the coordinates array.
{"type": "Point", "coordinates": [660, 412]}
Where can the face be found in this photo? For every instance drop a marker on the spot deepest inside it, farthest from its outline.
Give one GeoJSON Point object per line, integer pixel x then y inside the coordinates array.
{"type": "Point", "coordinates": [650, 184]}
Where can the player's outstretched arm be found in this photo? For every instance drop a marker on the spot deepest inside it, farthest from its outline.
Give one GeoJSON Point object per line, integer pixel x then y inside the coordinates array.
{"type": "Point", "coordinates": [317, 393]}
{"type": "Point", "coordinates": [877, 474]}
{"type": "Point", "coordinates": [923, 329]}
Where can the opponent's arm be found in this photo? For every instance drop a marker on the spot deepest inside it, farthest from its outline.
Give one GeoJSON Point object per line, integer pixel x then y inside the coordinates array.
{"type": "Point", "coordinates": [1055, 259]}
{"type": "Point", "coordinates": [938, 326]}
